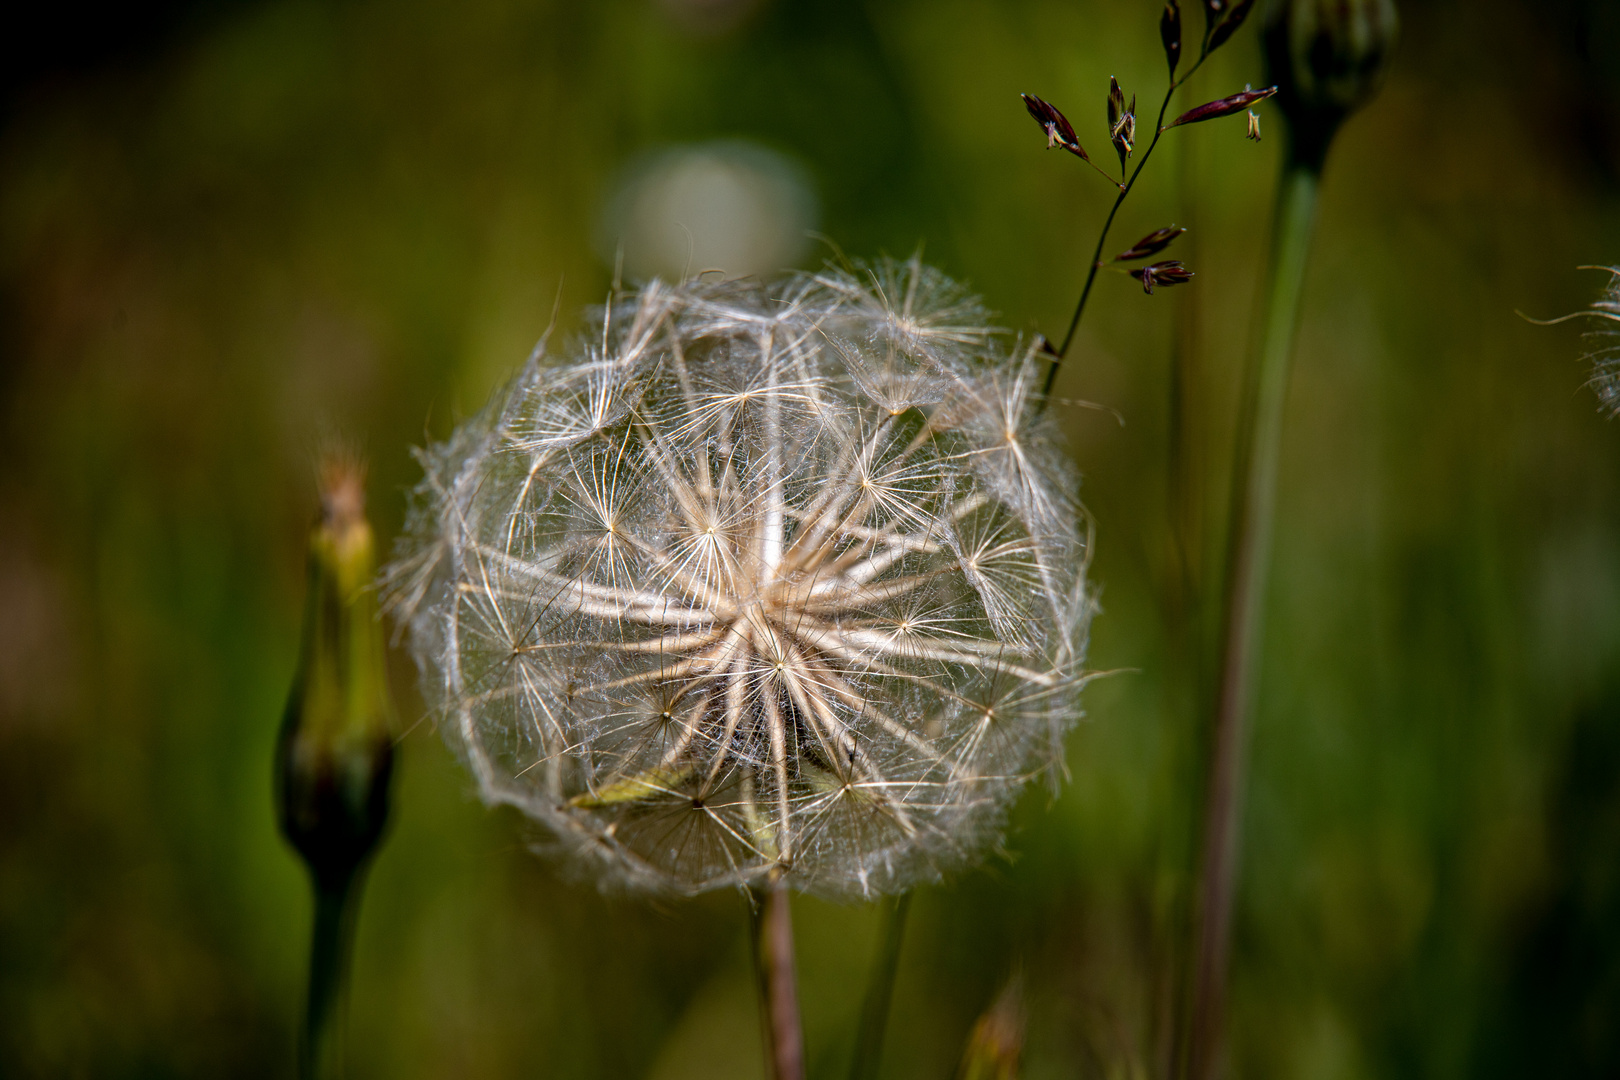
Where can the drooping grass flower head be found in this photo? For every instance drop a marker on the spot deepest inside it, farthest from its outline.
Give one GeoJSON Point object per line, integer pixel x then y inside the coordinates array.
{"type": "Point", "coordinates": [759, 579]}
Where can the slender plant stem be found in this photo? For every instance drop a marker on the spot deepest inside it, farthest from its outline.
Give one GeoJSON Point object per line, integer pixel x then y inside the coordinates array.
{"type": "Point", "coordinates": [879, 989]}
{"type": "Point", "coordinates": [1185, 640]}
{"type": "Point", "coordinates": [778, 981]}
{"type": "Point", "coordinates": [320, 1052]}
{"type": "Point", "coordinates": [1254, 496]}
{"type": "Point", "coordinates": [1102, 238]}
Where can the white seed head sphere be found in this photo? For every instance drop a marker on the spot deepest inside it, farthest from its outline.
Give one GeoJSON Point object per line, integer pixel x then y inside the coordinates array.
{"type": "Point", "coordinates": [762, 579]}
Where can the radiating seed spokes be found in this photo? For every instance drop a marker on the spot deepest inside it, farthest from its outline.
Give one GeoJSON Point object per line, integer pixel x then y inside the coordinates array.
{"type": "Point", "coordinates": [761, 585]}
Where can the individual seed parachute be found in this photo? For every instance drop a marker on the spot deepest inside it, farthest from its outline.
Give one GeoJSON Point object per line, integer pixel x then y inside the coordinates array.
{"type": "Point", "coordinates": [760, 578]}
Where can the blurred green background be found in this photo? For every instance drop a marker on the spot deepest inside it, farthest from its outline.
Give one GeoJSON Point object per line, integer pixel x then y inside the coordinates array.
{"type": "Point", "coordinates": [235, 229]}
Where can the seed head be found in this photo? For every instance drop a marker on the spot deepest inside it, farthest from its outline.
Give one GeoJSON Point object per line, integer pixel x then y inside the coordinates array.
{"type": "Point", "coordinates": [760, 578]}
{"type": "Point", "coordinates": [1605, 357]}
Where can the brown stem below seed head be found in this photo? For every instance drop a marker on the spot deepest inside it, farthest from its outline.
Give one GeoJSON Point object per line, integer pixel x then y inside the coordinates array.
{"type": "Point", "coordinates": [778, 980]}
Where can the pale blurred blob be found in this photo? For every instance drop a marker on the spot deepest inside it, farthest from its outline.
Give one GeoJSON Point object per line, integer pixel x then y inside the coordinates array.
{"type": "Point", "coordinates": [733, 207]}
{"type": "Point", "coordinates": [709, 18]}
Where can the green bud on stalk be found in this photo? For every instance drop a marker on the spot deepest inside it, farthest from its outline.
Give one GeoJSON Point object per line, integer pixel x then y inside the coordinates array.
{"type": "Point", "coordinates": [335, 755]}
{"type": "Point", "coordinates": [1328, 58]}
{"type": "Point", "coordinates": [336, 750]}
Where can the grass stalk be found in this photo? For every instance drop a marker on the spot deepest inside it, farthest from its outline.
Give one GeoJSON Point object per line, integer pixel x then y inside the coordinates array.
{"type": "Point", "coordinates": [1126, 184]}
{"type": "Point", "coordinates": [879, 989]}
{"type": "Point", "coordinates": [1254, 496]}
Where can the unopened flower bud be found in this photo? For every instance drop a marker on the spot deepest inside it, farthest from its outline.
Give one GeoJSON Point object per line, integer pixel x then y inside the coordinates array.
{"type": "Point", "coordinates": [1328, 58]}
{"type": "Point", "coordinates": [1151, 244]}
{"type": "Point", "coordinates": [1169, 272]}
{"type": "Point", "coordinates": [336, 751]}
{"type": "Point", "coordinates": [1170, 34]}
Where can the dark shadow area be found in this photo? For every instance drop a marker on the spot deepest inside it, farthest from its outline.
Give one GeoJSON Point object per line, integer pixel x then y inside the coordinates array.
{"type": "Point", "coordinates": [1557, 1012]}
